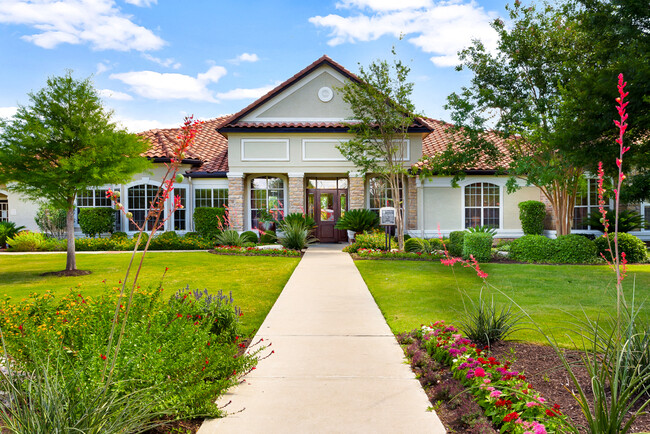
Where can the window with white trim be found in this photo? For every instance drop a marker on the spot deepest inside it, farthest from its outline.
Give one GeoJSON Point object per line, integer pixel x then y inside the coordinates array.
{"type": "Point", "coordinates": [4, 210]}
{"type": "Point", "coordinates": [95, 198]}
{"type": "Point", "coordinates": [267, 193]}
{"type": "Point", "coordinates": [586, 202]}
{"type": "Point", "coordinates": [380, 194]}
{"type": "Point", "coordinates": [180, 215]}
{"type": "Point", "coordinates": [482, 205]}
{"type": "Point", "coordinates": [140, 198]}
{"type": "Point", "coordinates": [210, 197]}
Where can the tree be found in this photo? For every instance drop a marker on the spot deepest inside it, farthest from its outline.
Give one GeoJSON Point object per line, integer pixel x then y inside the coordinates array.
{"type": "Point", "coordinates": [616, 35]}
{"type": "Point", "coordinates": [518, 91]}
{"type": "Point", "coordinates": [382, 114]}
{"type": "Point", "coordinates": [63, 143]}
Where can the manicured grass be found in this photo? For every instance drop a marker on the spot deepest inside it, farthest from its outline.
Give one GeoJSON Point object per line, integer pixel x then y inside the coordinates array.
{"type": "Point", "coordinates": [411, 293]}
{"type": "Point", "coordinates": [255, 281]}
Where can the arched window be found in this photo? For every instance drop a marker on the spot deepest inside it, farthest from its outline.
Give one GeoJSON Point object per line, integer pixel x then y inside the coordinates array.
{"type": "Point", "coordinates": [482, 205]}
{"type": "Point", "coordinates": [139, 202]}
{"type": "Point", "coordinates": [267, 193]}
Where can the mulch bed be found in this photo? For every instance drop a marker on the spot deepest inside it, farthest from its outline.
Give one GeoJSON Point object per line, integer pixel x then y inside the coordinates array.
{"type": "Point", "coordinates": [541, 365]}
{"type": "Point", "coordinates": [67, 273]}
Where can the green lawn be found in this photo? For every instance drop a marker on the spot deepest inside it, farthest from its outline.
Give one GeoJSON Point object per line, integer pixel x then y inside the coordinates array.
{"type": "Point", "coordinates": [411, 293]}
{"type": "Point", "coordinates": [255, 281]}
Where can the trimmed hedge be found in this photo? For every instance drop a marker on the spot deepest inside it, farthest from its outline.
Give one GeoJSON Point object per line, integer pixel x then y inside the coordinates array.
{"type": "Point", "coordinates": [206, 221]}
{"type": "Point", "coordinates": [574, 248]}
{"type": "Point", "coordinates": [634, 248]}
{"type": "Point", "coordinates": [248, 237]}
{"type": "Point", "coordinates": [532, 214]}
{"type": "Point", "coordinates": [96, 221]}
{"type": "Point", "coordinates": [456, 241]}
{"type": "Point", "coordinates": [479, 245]}
{"type": "Point", "coordinates": [532, 248]}
{"type": "Point", "coordinates": [268, 237]}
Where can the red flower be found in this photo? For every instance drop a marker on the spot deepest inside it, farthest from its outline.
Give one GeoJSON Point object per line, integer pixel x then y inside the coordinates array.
{"type": "Point", "coordinates": [479, 372]}
{"type": "Point", "coordinates": [550, 413]}
{"type": "Point", "coordinates": [102, 356]}
{"type": "Point", "coordinates": [511, 416]}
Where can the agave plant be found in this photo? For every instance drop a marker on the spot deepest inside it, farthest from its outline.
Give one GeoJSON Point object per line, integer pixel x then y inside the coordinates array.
{"type": "Point", "coordinates": [358, 220]}
{"type": "Point", "coordinates": [8, 230]}
{"type": "Point", "coordinates": [484, 229]}
{"type": "Point", "coordinates": [297, 218]}
{"type": "Point", "coordinates": [295, 235]}
{"type": "Point", "coordinates": [229, 237]}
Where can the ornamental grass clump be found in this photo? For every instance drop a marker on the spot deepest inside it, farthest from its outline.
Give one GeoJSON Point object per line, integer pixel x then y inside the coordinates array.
{"type": "Point", "coordinates": [295, 235]}
{"type": "Point", "coordinates": [486, 324]}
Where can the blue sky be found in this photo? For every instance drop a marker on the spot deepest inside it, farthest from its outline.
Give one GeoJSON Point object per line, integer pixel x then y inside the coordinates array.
{"type": "Point", "coordinates": [156, 61]}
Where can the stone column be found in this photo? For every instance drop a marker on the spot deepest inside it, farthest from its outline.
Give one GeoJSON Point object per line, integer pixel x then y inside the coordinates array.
{"type": "Point", "coordinates": [357, 191]}
{"type": "Point", "coordinates": [411, 209]}
{"type": "Point", "coordinates": [236, 200]}
{"type": "Point", "coordinates": [296, 192]}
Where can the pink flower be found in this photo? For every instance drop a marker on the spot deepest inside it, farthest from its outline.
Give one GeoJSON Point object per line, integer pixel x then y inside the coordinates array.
{"type": "Point", "coordinates": [495, 394]}
{"type": "Point", "coordinates": [479, 372]}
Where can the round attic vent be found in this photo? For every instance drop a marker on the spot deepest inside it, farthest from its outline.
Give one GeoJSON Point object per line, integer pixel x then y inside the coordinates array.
{"type": "Point", "coordinates": [325, 94]}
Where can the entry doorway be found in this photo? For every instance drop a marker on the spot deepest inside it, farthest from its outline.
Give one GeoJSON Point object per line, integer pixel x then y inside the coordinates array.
{"type": "Point", "coordinates": [327, 201]}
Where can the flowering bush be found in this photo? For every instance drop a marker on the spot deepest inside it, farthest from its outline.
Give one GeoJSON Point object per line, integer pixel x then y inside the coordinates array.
{"type": "Point", "coordinates": [504, 394]}
{"type": "Point", "coordinates": [395, 254]}
{"type": "Point", "coordinates": [253, 251]}
{"type": "Point", "coordinates": [184, 350]}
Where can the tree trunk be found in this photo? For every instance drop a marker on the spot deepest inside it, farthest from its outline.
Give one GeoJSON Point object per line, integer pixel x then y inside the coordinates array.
{"type": "Point", "coordinates": [71, 260]}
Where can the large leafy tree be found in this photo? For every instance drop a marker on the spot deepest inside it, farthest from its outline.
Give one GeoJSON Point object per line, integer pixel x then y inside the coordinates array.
{"type": "Point", "coordinates": [63, 143]}
{"type": "Point", "coordinates": [515, 96]}
{"type": "Point", "coordinates": [382, 114]}
{"type": "Point", "coordinates": [616, 39]}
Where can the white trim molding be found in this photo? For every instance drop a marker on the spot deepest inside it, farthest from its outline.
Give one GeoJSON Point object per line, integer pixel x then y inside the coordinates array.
{"type": "Point", "coordinates": [243, 150]}
{"type": "Point", "coordinates": [235, 175]}
{"type": "Point", "coordinates": [296, 174]}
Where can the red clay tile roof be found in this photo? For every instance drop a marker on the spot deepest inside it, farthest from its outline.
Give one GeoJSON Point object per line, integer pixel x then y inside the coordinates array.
{"type": "Point", "coordinates": [438, 140]}
{"type": "Point", "coordinates": [210, 147]}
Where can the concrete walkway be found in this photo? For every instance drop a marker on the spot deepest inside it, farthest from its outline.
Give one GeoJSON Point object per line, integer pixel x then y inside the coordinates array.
{"type": "Point", "coordinates": [337, 367]}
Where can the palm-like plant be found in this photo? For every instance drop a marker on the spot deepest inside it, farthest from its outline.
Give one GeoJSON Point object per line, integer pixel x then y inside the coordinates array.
{"type": "Point", "coordinates": [8, 230]}
{"type": "Point", "coordinates": [358, 220]}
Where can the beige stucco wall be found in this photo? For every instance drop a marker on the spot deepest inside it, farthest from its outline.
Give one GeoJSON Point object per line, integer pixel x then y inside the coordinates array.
{"type": "Point", "coordinates": [511, 205]}
{"type": "Point", "coordinates": [21, 210]}
{"type": "Point", "coordinates": [442, 206]}
{"type": "Point", "coordinates": [274, 160]}
{"type": "Point", "coordinates": [301, 100]}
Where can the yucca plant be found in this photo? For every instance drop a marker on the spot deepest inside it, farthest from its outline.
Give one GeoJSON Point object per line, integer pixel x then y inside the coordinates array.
{"type": "Point", "coordinates": [484, 229]}
{"type": "Point", "coordinates": [297, 218]}
{"type": "Point", "coordinates": [358, 220]}
{"type": "Point", "coordinates": [628, 220]}
{"type": "Point", "coordinates": [485, 324]}
{"type": "Point", "coordinates": [419, 245]}
{"type": "Point", "coordinates": [295, 236]}
{"type": "Point", "coordinates": [229, 237]}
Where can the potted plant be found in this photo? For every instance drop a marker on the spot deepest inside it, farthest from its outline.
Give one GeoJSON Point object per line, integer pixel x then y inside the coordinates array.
{"type": "Point", "coordinates": [265, 220]}
{"type": "Point", "coordinates": [357, 221]}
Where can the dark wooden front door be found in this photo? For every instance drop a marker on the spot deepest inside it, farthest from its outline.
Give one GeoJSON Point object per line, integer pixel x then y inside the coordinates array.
{"type": "Point", "coordinates": [326, 207]}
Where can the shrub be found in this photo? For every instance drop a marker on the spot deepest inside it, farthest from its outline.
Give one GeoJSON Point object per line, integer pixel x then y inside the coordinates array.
{"type": "Point", "coordinates": [628, 220]}
{"type": "Point", "coordinates": [358, 220]}
{"type": "Point", "coordinates": [371, 240]}
{"type": "Point", "coordinates": [8, 230]}
{"type": "Point", "coordinates": [119, 236]}
{"type": "Point", "coordinates": [249, 244]}
{"type": "Point", "coordinates": [456, 240]}
{"type": "Point", "coordinates": [54, 245]}
{"type": "Point", "coordinates": [295, 235]}
{"type": "Point", "coordinates": [574, 248]}
{"type": "Point", "coordinates": [249, 237]}
{"type": "Point", "coordinates": [192, 235]}
{"type": "Point", "coordinates": [532, 248]}
{"type": "Point", "coordinates": [51, 221]}
{"type": "Point", "coordinates": [229, 237]}
{"type": "Point", "coordinates": [96, 221]}
{"type": "Point", "coordinates": [208, 220]}
{"type": "Point", "coordinates": [531, 215]}
{"type": "Point", "coordinates": [104, 244]}
{"type": "Point", "coordinates": [268, 237]}
{"type": "Point", "coordinates": [420, 245]}
{"type": "Point", "coordinates": [165, 241]}
{"type": "Point", "coordinates": [479, 245]}
{"type": "Point", "coordinates": [634, 248]}
{"type": "Point", "coordinates": [26, 242]}
{"type": "Point", "coordinates": [183, 351]}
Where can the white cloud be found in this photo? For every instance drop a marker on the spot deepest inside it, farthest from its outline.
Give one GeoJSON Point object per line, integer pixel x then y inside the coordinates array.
{"type": "Point", "coordinates": [245, 93]}
{"type": "Point", "coordinates": [113, 94]}
{"type": "Point", "coordinates": [245, 57]}
{"type": "Point", "coordinates": [442, 29]}
{"type": "Point", "coordinates": [7, 112]}
{"type": "Point", "coordinates": [140, 125]}
{"type": "Point", "coordinates": [96, 22]}
{"type": "Point", "coordinates": [167, 63]}
{"type": "Point", "coordinates": [101, 68]}
{"type": "Point", "coordinates": [142, 3]}
{"type": "Point", "coordinates": [384, 5]}
{"type": "Point", "coordinates": [165, 86]}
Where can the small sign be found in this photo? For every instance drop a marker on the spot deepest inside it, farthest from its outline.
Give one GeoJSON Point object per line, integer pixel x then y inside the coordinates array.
{"type": "Point", "coordinates": [387, 216]}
